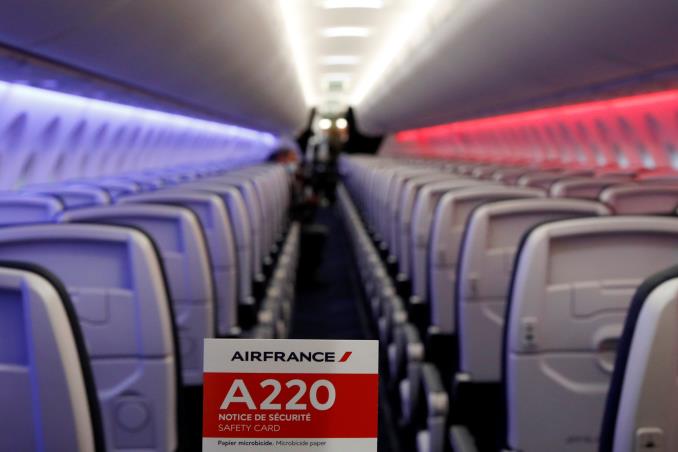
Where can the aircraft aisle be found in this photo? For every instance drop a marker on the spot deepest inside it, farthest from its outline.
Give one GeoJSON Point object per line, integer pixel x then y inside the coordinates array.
{"type": "Point", "coordinates": [330, 303]}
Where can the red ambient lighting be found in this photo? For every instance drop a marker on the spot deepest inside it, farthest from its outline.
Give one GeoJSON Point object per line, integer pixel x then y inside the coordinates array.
{"type": "Point", "coordinates": [635, 132]}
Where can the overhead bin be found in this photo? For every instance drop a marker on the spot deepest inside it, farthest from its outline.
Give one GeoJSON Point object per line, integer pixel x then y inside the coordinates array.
{"type": "Point", "coordinates": [491, 56]}
{"type": "Point", "coordinates": [191, 52]}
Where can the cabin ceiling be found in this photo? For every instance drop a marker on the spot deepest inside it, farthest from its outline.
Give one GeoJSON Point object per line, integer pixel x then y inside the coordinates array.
{"type": "Point", "coordinates": [493, 56]}
{"type": "Point", "coordinates": [401, 63]}
{"type": "Point", "coordinates": [223, 57]}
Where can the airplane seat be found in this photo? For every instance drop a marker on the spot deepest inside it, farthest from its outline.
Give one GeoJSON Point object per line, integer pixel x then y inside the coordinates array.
{"type": "Point", "coordinates": [447, 231]}
{"type": "Point", "coordinates": [511, 175]}
{"type": "Point", "coordinates": [240, 224]}
{"type": "Point", "coordinates": [420, 231]}
{"type": "Point", "coordinates": [642, 403]}
{"type": "Point", "coordinates": [116, 188]}
{"type": "Point", "coordinates": [408, 197]}
{"type": "Point", "coordinates": [116, 284]}
{"type": "Point", "coordinates": [27, 208]}
{"type": "Point", "coordinates": [584, 187]}
{"type": "Point", "coordinates": [221, 247]}
{"type": "Point", "coordinates": [641, 199]}
{"type": "Point", "coordinates": [391, 241]}
{"type": "Point", "coordinates": [484, 271]}
{"type": "Point", "coordinates": [73, 196]}
{"type": "Point", "coordinates": [570, 293]}
{"type": "Point", "coordinates": [50, 400]}
{"type": "Point", "coordinates": [176, 233]}
{"type": "Point", "coordinates": [545, 179]}
{"type": "Point", "coordinates": [268, 209]}
{"type": "Point", "coordinates": [255, 212]}
{"type": "Point", "coordinates": [435, 317]}
{"type": "Point", "coordinates": [657, 178]}
{"type": "Point", "coordinates": [484, 171]}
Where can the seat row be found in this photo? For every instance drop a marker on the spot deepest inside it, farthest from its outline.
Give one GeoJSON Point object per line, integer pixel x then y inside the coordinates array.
{"type": "Point", "coordinates": [108, 287]}
{"type": "Point", "coordinates": [501, 292]}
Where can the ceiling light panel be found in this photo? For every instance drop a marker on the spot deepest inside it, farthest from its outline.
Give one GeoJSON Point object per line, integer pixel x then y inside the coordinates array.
{"type": "Point", "coordinates": [339, 60]}
{"type": "Point", "coordinates": [363, 4]}
{"type": "Point", "coordinates": [345, 32]}
{"type": "Point", "coordinates": [294, 21]}
{"type": "Point", "coordinates": [409, 27]}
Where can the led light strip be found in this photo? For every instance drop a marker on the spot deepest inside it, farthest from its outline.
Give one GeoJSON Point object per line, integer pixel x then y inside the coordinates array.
{"type": "Point", "coordinates": [41, 95]}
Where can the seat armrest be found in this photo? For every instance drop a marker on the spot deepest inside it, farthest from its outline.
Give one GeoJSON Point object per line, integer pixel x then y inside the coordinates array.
{"type": "Point", "coordinates": [437, 402]}
{"type": "Point", "coordinates": [461, 439]}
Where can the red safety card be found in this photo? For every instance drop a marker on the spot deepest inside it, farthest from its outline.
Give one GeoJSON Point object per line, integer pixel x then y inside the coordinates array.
{"type": "Point", "coordinates": [284, 395]}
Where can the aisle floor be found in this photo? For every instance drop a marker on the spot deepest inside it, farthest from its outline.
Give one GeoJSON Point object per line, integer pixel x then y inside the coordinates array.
{"type": "Point", "coordinates": [329, 304]}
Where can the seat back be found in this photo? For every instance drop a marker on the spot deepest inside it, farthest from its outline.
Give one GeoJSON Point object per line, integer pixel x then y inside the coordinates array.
{"type": "Point", "coordinates": [175, 232]}
{"type": "Point", "coordinates": [116, 188]}
{"type": "Point", "coordinates": [584, 187]}
{"type": "Point", "coordinates": [486, 260]}
{"type": "Point", "coordinates": [545, 180]}
{"type": "Point", "coordinates": [420, 230]}
{"type": "Point", "coordinates": [49, 400]}
{"type": "Point", "coordinates": [405, 215]}
{"type": "Point", "coordinates": [74, 196]}
{"type": "Point", "coordinates": [641, 199]}
{"type": "Point", "coordinates": [376, 204]}
{"type": "Point", "coordinates": [254, 212]}
{"type": "Point", "coordinates": [27, 208]}
{"type": "Point", "coordinates": [570, 294]}
{"type": "Point", "coordinates": [484, 171]}
{"type": "Point", "coordinates": [642, 404]}
{"type": "Point", "coordinates": [266, 212]}
{"type": "Point", "coordinates": [510, 176]}
{"type": "Point", "coordinates": [218, 234]}
{"type": "Point", "coordinates": [394, 204]}
{"type": "Point", "coordinates": [115, 282]}
{"type": "Point", "coordinates": [273, 190]}
{"type": "Point", "coordinates": [447, 230]}
{"type": "Point", "coordinates": [658, 179]}
{"type": "Point", "coordinates": [240, 224]}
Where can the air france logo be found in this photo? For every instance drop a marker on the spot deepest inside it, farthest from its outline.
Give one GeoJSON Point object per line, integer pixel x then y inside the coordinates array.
{"type": "Point", "coordinates": [289, 357]}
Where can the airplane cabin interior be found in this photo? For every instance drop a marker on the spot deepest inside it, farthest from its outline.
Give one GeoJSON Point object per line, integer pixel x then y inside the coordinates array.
{"type": "Point", "coordinates": [486, 189]}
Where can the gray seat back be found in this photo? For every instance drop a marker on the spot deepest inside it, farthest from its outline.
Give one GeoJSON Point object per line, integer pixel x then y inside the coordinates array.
{"type": "Point", "coordinates": [116, 188]}
{"type": "Point", "coordinates": [75, 196]}
{"type": "Point", "coordinates": [658, 179]}
{"type": "Point", "coordinates": [216, 227]}
{"type": "Point", "coordinates": [27, 208]}
{"type": "Point", "coordinates": [240, 224]}
{"type": "Point", "coordinates": [484, 273]}
{"type": "Point", "coordinates": [420, 229]}
{"type": "Point", "coordinates": [393, 204]}
{"type": "Point", "coordinates": [273, 189]}
{"type": "Point", "coordinates": [116, 284]}
{"type": "Point", "coordinates": [175, 232]}
{"type": "Point", "coordinates": [48, 402]}
{"type": "Point", "coordinates": [510, 176]}
{"type": "Point", "coordinates": [545, 180]}
{"type": "Point", "coordinates": [447, 231]}
{"type": "Point", "coordinates": [572, 287]}
{"type": "Point", "coordinates": [641, 199]}
{"type": "Point", "coordinates": [266, 213]}
{"type": "Point", "coordinates": [254, 211]}
{"type": "Point", "coordinates": [408, 198]}
{"type": "Point", "coordinates": [584, 187]}
{"type": "Point", "coordinates": [642, 403]}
